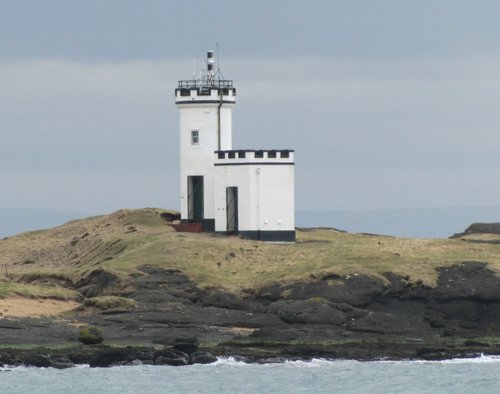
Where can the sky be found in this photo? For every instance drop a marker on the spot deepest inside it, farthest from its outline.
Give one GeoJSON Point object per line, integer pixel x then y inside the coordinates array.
{"type": "Point", "coordinates": [388, 104]}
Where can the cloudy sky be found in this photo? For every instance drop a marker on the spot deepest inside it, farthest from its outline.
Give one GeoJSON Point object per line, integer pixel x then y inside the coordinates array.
{"type": "Point", "coordinates": [388, 103]}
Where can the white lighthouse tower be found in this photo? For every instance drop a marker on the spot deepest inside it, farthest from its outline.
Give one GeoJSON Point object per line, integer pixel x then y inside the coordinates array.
{"type": "Point", "coordinates": [205, 108]}
{"type": "Point", "coordinates": [249, 193]}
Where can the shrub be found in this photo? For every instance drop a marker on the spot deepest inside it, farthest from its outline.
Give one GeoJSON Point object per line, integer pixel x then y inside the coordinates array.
{"type": "Point", "coordinates": [90, 335]}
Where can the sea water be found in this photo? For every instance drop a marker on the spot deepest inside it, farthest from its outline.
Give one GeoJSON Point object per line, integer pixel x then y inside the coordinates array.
{"type": "Point", "coordinates": [480, 375]}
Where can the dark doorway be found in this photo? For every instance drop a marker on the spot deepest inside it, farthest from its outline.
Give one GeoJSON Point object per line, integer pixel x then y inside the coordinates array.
{"type": "Point", "coordinates": [232, 210]}
{"type": "Point", "coordinates": [195, 199]}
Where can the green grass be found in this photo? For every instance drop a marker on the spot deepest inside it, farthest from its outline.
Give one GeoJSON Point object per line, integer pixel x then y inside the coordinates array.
{"type": "Point", "coordinates": [5, 288]}
{"type": "Point", "coordinates": [38, 291]}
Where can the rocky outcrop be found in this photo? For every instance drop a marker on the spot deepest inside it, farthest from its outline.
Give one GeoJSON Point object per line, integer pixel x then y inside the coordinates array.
{"type": "Point", "coordinates": [480, 228]}
{"type": "Point", "coordinates": [96, 283]}
{"type": "Point", "coordinates": [356, 290]}
{"type": "Point", "coordinates": [349, 316]}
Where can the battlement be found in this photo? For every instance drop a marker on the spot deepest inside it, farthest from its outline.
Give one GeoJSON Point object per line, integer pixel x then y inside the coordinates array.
{"type": "Point", "coordinates": [254, 156]}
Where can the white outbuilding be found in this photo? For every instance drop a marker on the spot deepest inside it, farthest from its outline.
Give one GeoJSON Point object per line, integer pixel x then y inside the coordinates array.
{"type": "Point", "coordinates": [242, 192]}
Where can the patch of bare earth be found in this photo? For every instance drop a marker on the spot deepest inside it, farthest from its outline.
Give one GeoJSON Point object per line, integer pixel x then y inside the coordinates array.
{"type": "Point", "coordinates": [26, 307]}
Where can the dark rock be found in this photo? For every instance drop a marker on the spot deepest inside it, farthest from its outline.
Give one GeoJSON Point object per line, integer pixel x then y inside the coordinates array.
{"type": "Point", "coordinates": [11, 324]}
{"type": "Point", "coordinates": [190, 294]}
{"type": "Point", "coordinates": [202, 357]}
{"type": "Point", "coordinates": [355, 290]}
{"type": "Point", "coordinates": [222, 299]}
{"type": "Point", "coordinates": [299, 333]}
{"type": "Point", "coordinates": [463, 309]}
{"type": "Point", "coordinates": [172, 283]}
{"type": "Point", "coordinates": [470, 279]}
{"type": "Point", "coordinates": [436, 320]}
{"type": "Point", "coordinates": [170, 216]}
{"type": "Point", "coordinates": [475, 343]}
{"type": "Point", "coordinates": [61, 362]}
{"type": "Point", "coordinates": [186, 345]}
{"type": "Point", "coordinates": [47, 360]}
{"type": "Point", "coordinates": [316, 311]}
{"type": "Point", "coordinates": [172, 357]}
{"type": "Point", "coordinates": [38, 360]}
{"type": "Point", "coordinates": [480, 228]}
{"type": "Point", "coordinates": [208, 316]}
{"type": "Point", "coordinates": [398, 284]}
{"type": "Point", "coordinates": [271, 293]}
{"type": "Point", "coordinates": [96, 283]}
{"type": "Point", "coordinates": [433, 353]}
{"type": "Point", "coordinates": [107, 357]}
{"type": "Point", "coordinates": [381, 323]}
{"type": "Point", "coordinates": [156, 297]}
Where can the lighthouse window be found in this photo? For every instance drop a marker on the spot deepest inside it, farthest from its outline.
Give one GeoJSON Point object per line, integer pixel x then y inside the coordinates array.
{"type": "Point", "coordinates": [195, 137]}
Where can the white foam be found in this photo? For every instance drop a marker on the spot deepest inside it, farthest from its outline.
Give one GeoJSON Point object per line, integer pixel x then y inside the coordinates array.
{"type": "Point", "coordinates": [481, 359]}
{"type": "Point", "coordinates": [228, 361]}
{"type": "Point", "coordinates": [319, 362]}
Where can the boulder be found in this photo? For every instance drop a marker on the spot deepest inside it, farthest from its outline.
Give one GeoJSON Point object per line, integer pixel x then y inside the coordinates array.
{"type": "Point", "coordinates": [172, 357]}
{"type": "Point", "coordinates": [108, 357]}
{"type": "Point", "coordinates": [186, 345]}
{"type": "Point", "coordinates": [202, 357]}
{"type": "Point", "coordinates": [47, 360]}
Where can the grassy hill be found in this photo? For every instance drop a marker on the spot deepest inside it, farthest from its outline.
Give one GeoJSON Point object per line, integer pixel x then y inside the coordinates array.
{"type": "Point", "coordinates": [44, 263]}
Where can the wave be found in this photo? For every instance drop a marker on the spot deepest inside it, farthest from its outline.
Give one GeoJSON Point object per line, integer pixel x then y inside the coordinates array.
{"type": "Point", "coordinates": [320, 362]}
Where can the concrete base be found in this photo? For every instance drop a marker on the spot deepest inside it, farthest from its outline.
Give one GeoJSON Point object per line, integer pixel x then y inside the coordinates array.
{"type": "Point", "coordinates": [270, 236]}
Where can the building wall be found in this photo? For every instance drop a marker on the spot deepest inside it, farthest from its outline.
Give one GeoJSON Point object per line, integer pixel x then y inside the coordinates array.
{"type": "Point", "coordinates": [265, 193]}
{"type": "Point", "coordinates": [201, 113]}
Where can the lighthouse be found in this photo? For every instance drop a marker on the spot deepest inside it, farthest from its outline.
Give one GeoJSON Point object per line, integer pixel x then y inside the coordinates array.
{"type": "Point", "coordinates": [249, 193]}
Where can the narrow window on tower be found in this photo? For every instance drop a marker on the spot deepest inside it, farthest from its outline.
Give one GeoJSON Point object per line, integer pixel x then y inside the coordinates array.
{"type": "Point", "coordinates": [195, 137]}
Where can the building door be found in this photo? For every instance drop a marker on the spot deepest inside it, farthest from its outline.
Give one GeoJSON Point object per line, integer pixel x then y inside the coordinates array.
{"type": "Point", "coordinates": [195, 199]}
{"type": "Point", "coordinates": [232, 210]}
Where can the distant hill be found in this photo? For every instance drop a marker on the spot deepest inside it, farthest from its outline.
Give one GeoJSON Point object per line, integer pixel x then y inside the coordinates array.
{"type": "Point", "coordinates": [413, 223]}
{"type": "Point", "coordinates": [16, 220]}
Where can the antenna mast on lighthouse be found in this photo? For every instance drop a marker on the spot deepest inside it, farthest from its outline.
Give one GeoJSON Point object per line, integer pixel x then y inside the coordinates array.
{"type": "Point", "coordinates": [210, 67]}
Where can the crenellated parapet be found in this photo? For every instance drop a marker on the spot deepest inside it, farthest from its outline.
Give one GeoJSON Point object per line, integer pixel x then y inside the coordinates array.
{"type": "Point", "coordinates": [254, 157]}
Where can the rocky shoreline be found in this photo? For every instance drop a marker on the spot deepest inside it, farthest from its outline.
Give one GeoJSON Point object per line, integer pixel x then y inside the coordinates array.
{"type": "Point", "coordinates": [173, 322]}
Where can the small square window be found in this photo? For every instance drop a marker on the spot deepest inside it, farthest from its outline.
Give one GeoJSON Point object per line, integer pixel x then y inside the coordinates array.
{"type": "Point", "coordinates": [271, 154]}
{"type": "Point", "coordinates": [285, 154]}
{"type": "Point", "coordinates": [195, 137]}
{"type": "Point", "coordinates": [241, 154]}
{"type": "Point", "coordinates": [221, 155]}
{"type": "Point", "coordinates": [232, 154]}
{"type": "Point", "coordinates": [259, 154]}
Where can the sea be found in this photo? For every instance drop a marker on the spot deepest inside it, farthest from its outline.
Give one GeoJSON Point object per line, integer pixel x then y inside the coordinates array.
{"type": "Point", "coordinates": [478, 375]}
